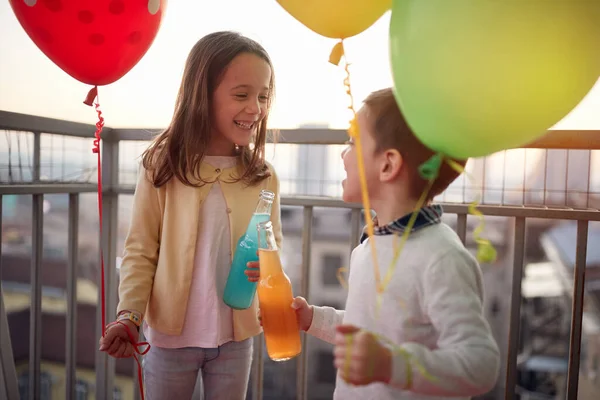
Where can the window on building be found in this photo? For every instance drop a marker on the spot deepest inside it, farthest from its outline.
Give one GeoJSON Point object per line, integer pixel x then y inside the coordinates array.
{"type": "Point", "coordinates": [286, 213]}
{"type": "Point", "coordinates": [81, 390]}
{"type": "Point", "coordinates": [330, 264]}
{"type": "Point", "coordinates": [46, 381]}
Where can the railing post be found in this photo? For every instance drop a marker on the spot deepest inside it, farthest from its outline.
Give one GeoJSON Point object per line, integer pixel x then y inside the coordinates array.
{"type": "Point", "coordinates": [257, 368]}
{"type": "Point", "coordinates": [9, 386]}
{"type": "Point", "coordinates": [302, 365]}
{"type": "Point", "coordinates": [461, 227]}
{"type": "Point", "coordinates": [71, 329]}
{"type": "Point", "coordinates": [355, 227]}
{"type": "Point", "coordinates": [577, 311]}
{"type": "Point", "coordinates": [105, 365]}
{"type": "Point", "coordinates": [515, 308]}
{"type": "Point", "coordinates": [37, 155]}
{"type": "Point", "coordinates": [35, 311]}
{"type": "Point", "coordinates": [37, 250]}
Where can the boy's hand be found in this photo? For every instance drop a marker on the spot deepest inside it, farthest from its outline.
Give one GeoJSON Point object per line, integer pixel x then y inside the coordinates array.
{"type": "Point", "coordinates": [116, 341]}
{"type": "Point", "coordinates": [360, 357]}
{"type": "Point", "coordinates": [253, 271]}
{"type": "Point", "coordinates": [304, 313]}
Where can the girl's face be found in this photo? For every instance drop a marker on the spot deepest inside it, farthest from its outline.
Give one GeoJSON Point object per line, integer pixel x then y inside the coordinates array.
{"type": "Point", "coordinates": [240, 103]}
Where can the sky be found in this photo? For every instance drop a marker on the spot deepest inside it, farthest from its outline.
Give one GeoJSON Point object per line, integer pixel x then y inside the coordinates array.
{"type": "Point", "coordinates": [309, 89]}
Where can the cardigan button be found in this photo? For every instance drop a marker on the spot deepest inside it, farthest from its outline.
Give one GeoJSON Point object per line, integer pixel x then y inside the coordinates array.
{"type": "Point", "coordinates": [229, 211]}
{"type": "Point", "coordinates": [218, 170]}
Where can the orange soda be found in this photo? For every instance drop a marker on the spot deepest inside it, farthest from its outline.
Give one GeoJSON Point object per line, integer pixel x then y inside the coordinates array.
{"type": "Point", "coordinates": [280, 325]}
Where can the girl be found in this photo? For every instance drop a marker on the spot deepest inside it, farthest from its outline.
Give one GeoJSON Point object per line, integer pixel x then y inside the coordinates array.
{"type": "Point", "coordinates": [197, 190]}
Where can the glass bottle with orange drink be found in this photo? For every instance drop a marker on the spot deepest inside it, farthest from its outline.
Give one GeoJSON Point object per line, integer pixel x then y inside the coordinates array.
{"type": "Point", "coordinates": [280, 326]}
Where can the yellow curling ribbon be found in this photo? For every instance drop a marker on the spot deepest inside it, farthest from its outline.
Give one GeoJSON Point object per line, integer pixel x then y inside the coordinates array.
{"type": "Point", "coordinates": [335, 58]}
{"type": "Point", "coordinates": [486, 253]}
{"type": "Point", "coordinates": [431, 171]}
{"type": "Point", "coordinates": [349, 340]}
{"type": "Point", "coordinates": [410, 362]}
{"type": "Point", "coordinates": [340, 277]}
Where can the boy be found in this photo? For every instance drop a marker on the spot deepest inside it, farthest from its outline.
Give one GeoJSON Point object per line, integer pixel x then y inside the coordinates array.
{"type": "Point", "coordinates": [432, 307]}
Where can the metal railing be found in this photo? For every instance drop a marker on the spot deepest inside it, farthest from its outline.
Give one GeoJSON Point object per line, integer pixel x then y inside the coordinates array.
{"type": "Point", "coordinates": [105, 366]}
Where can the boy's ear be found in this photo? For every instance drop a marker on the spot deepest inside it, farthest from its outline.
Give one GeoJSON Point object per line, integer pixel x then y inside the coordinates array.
{"type": "Point", "coordinates": [391, 166]}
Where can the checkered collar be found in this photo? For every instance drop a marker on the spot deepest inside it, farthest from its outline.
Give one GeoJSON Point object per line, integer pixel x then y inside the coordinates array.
{"type": "Point", "coordinates": [427, 216]}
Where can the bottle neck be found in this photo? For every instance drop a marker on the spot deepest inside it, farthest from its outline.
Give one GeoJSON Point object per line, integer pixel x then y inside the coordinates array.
{"type": "Point", "coordinates": [263, 206]}
{"type": "Point", "coordinates": [265, 201]}
{"type": "Point", "coordinates": [270, 263]}
{"type": "Point", "coordinates": [266, 237]}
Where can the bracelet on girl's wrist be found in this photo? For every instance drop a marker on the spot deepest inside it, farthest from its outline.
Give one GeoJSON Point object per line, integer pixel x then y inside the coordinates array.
{"type": "Point", "coordinates": [130, 316]}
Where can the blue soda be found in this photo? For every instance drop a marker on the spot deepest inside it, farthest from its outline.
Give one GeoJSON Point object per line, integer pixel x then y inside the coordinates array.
{"type": "Point", "coordinates": [239, 291]}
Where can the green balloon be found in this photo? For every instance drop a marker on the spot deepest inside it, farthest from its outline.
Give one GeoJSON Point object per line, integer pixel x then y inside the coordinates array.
{"type": "Point", "coordinates": [474, 77]}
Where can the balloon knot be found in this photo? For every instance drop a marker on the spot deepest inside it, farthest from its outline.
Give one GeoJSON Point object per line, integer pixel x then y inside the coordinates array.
{"type": "Point", "coordinates": [336, 53]}
{"type": "Point", "coordinates": [430, 169]}
{"type": "Point", "coordinates": [92, 94]}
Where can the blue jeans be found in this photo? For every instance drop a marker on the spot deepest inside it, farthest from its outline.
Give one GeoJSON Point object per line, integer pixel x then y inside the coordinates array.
{"type": "Point", "coordinates": [172, 373]}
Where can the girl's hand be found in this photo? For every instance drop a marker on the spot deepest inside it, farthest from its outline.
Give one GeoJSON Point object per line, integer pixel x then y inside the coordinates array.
{"type": "Point", "coordinates": [360, 357]}
{"type": "Point", "coordinates": [304, 313]}
{"type": "Point", "coordinates": [116, 341]}
{"type": "Point", "coordinates": [253, 271]}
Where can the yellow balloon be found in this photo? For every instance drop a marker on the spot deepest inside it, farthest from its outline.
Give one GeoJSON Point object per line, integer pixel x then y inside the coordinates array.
{"type": "Point", "coordinates": [336, 19]}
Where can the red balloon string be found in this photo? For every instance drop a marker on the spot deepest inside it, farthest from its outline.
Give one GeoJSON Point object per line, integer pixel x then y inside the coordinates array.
{"type": "Point", "coordinates": [89, 100]}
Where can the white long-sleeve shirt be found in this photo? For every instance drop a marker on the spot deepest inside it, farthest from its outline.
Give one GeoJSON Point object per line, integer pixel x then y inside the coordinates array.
{"type": "Point", "coordinates": [432, 308]}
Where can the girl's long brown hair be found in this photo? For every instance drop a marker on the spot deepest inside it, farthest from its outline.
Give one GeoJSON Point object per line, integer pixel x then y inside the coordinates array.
{"type": "Point", "coordinates": [178, 151]}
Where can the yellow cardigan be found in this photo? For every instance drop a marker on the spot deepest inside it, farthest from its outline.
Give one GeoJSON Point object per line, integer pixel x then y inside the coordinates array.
{"type": "Point", "coordinates": [156, 271]}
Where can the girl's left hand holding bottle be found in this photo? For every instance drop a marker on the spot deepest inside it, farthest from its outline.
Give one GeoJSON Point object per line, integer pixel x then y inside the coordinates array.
{"type": "Point", "coordinates": [116, 341]}
{"type": "Point", "coordinates": [253, 271]}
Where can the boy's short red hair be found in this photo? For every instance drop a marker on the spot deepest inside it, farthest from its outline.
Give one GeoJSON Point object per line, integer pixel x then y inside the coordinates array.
{"type": "Point", "coordinates": [391, 131]}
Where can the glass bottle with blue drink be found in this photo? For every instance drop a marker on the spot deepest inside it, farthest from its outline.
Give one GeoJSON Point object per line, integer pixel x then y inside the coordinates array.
{"type": "Point", "coordinates": [239, 291]}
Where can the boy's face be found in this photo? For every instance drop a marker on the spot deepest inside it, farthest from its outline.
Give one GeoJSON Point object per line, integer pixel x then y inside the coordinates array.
{"type": "Point", "coordinates": [351, 185]}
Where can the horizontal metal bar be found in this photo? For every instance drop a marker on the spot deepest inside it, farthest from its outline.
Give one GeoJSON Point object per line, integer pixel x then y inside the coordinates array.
{"type": "Point", "coordinates": [134, 134]}
{"type": "Point", "coordinates": [454, 208]}
{"type": "Point", "coordinates": [125, 189]}
{"type": "Point", "coordinates": [526, 212]}
{"type": "Point", "coordinates": [291, 136]}
{"type": "Point", "coordinates": [301, 201]}
{"type": "Point", "coordinates": [567, 139]}
{"type": "Point", "coordinates": [450, 208]}
{"type": "Point", "coordinates": [47, 188]}
{"type": "Point", "coordinates": [553, 139]}
{"type": "Point", "coordinates": [13, 121]}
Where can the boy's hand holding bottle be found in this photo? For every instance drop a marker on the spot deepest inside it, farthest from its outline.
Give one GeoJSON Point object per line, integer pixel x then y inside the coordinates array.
{"type": "Point", "coordinates": [304, 311]}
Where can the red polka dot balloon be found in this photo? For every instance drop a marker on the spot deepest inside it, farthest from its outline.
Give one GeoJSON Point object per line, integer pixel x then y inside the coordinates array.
{"type": "Point", "coordinates": [94, 41]}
